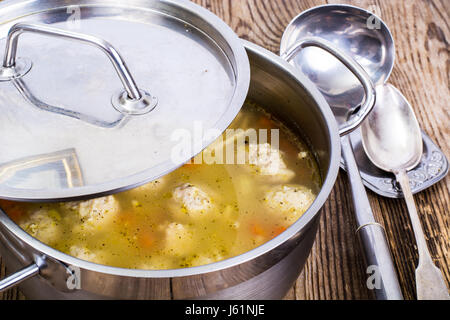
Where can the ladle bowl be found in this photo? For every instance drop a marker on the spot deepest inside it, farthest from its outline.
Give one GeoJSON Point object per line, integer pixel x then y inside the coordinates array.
{"type": "Point", "coordinates": [355, 31]}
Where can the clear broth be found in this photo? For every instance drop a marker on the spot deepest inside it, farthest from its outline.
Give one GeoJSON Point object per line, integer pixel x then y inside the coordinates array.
{"type": "Point", "coordinates": [198, 214]}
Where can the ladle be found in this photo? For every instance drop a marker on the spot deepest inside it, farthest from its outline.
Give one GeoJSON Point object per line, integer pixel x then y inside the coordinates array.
{"type": "Point", "coordinates": [349, 29]}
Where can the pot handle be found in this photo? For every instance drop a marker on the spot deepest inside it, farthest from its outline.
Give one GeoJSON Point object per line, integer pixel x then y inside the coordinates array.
{"type": "Point", "coordinates": [132, 101]}
{"type": "Point", "coordinates": [21, 275]}
{"type": "Point", "coordinates": [353, 66]}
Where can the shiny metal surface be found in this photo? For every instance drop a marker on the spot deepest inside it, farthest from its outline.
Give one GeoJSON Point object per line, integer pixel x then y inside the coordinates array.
{"type": "Point", "coordinates": [21, 67]}
{"type": "Point", "coordinates": [372, 235]}
{"type": "Point", "coordinates": [176, 50]}
{"type": "Point", "coordinates": [266, 272]}
{"type": "Point", "coordinates": [392, 139]}
{"type": "Point", "coordinates": [374, 50]}
{"type": "Point", "coordinates": [391, 135]}
{"type": "Point", "coordinates": [346, 28]}
{"type": "Point", "coordinates": [136, 101]}
{"type": "Point", "coordinates": [65, 162]}
{"type": "Point", "coordinates": [16, 278]}
{"type": "Point", "coordinates": [432, 168]}
{"type": "Point", "coordinates": [12, 40]}
{"type": "Point", "coordinates": [354, 116]}
{"type": "Point", "coordinates": [26, 94]}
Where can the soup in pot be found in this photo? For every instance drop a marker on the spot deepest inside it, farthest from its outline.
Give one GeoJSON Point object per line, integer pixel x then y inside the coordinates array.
{"type": "Point", "coordinates": [199, 214]}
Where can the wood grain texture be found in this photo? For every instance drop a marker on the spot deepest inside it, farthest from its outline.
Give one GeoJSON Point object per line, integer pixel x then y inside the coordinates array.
{"type": "Point", "coordinates": [335, 269]}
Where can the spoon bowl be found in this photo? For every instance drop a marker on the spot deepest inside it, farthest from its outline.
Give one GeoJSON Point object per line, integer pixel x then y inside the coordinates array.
{"type": "Point", "coordinates": [391, 135]}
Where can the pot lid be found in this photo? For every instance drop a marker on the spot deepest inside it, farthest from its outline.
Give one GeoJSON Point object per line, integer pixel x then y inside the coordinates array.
{"type": "Point", "coordinates": [142, 87]}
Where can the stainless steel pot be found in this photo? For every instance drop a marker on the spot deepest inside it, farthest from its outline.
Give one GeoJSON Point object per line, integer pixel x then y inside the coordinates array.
{"type": "Point", "coordinates": [266, 272]}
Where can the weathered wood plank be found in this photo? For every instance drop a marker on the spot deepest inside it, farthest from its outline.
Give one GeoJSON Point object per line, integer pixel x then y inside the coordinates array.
{"type": "Point", "coordinates": [12, 294]}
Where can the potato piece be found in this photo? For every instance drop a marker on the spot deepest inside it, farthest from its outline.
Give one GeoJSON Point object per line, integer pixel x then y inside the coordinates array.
{"type": "Point", "coordinates": [149, 188]}
{"type": "Point", "coordinates": [157, 262]}
{"type": "Point", "coordinates": [202, 259]}
{"type": "Point", "coordinates": [84, 253]}
{"type": "Point", "coordinates": [179, 239]}
{"type": "Point", "coordinates": [43, 224]}
{"type": "Point", "coordinates": [289, 200]}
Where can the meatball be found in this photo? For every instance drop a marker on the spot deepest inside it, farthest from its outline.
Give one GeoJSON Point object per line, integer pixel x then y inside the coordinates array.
{"type": "Point", "coordinates": [192, 200]}
{"type": "Point", "coordinates": [95, 213]}
{"type": "Point", "coordinates": [289, 200]}
{"type": "Point", "coordinates": [44, 225]}
{"type": "Point", "coordinates": [269, 161]}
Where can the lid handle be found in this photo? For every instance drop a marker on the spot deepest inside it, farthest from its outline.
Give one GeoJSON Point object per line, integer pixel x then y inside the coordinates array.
{"type": "Point", "coordinates": [132, 101]}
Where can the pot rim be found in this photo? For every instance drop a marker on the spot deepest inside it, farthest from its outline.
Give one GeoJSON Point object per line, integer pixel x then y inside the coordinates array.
{"type": "Point", "coordinates": [304, 220]}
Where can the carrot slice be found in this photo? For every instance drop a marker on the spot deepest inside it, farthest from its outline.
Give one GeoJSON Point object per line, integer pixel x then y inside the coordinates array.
{"type": "Point", "coordinates": [257, 229]}
{"type": "Point", "coordinates": [146, 239]}
{"type": "Point", "coordinates": [127, 218]}
{"type": "Point", "coordinates": [278, 230]}
{"type": "Point", "coordinates": [191, 163]}
{"type": "Point", "coordinates": [13, 209]}
{"type": "Point", "coordinates": [266, 123]}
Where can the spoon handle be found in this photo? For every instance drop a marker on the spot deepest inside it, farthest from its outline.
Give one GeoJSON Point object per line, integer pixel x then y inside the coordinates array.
{"type": "Point", "coordinates": [430, 284]}
{"type": "Point", "coordinates": [371, 233]}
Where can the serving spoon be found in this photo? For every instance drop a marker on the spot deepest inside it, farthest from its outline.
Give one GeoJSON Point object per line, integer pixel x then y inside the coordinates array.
{"type": "Point", "coordinates": [392, 140]}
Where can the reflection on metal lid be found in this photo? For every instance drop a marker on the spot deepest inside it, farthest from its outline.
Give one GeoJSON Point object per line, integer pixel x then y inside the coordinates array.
{"type": "Point", "coordinates": [57, 170]}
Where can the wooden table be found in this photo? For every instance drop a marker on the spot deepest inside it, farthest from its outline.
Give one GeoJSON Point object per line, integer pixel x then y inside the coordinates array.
{"type": "Point", "coordinates": [335, 269]}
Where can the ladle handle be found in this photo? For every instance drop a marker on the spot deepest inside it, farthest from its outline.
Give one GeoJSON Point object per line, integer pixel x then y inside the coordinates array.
{"type": "Point", "coordinates": [430, 283]}
{"type": "Point", "coordinates": [372, 235]}
{"type": "Point", "coordinates": [353, 66]}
